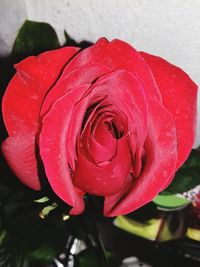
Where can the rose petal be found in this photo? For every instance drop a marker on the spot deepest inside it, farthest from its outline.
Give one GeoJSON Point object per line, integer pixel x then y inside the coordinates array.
{"type": "Point", "coordinates": [179, 94]}
{"type": "Point", "coordinates": [117, 55]}
{"type": "Point", "coordinates": [19, 152]}
{"type": "Point", "coordinates": [71, 79]}
{"type": "Point", "coordinates": [54, 149]}
{"type": "Point", "coordinates": [103, 145]}
{"type": "Point", "coordinates": [158, 165]}
{"type": "Point", "coordinates": [125, 89]}
{"type": "Point", "coordinates": [26, 91]}
{"type": "Point", "coordinates": [107, 178]}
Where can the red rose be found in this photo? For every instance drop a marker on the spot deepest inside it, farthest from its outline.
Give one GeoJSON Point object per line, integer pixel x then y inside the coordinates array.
{"type": "Point", "coordinates": [107, 121]}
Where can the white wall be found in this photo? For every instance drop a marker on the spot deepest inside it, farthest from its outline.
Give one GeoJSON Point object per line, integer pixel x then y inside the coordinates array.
{"type": "Point", "coordinates": [169, 28]}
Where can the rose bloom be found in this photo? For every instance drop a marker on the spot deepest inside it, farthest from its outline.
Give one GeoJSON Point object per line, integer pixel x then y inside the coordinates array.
{"type": "Point", "coordinates": [107, 120]}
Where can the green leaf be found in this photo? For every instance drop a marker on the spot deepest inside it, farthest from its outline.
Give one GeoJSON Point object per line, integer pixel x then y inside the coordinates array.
{"type": "Point", "coordinates": [71, 42]}
{"type": "Point", "coordinates": [187, 177]}
{"type": "Point", "coordinates": [193, 159]}
{"type": "Point", "coordinates": [44, 253]}
{"type": "Point", "coordinates": [2, 235]}
{"type": "Point", "coordinates": [35, 37]}
{"type": "Point", "coordinates": [171, 201]}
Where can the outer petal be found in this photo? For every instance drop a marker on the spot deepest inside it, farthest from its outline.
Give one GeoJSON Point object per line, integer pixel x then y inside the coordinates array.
{"type": "Point", "coordinates": [21, 106]}
{"type": "Point", "coordinates": [179, 94]}
{"type": "Point", "coordinates": [158, 166]}
{"type": "Point", "coordinates": [19, 152]}
{"type": "Point", "coordinates": [117, 55]}
{"type": "Point", "coordinates": [26, 91]}
{"type": "Point", "coordinates": [71, 79]}
{"type": "Point", "coordinates": [53, 147]}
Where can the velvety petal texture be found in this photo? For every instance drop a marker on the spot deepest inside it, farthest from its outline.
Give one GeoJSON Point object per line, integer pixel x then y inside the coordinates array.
{"type": "Point", "coordinates": [159, 163]}
{"type": "Point", "coordinates": [179, 95]}
{"type": "Point", "coordinates": [21, 109]}
{"type": "Point", "coordinates": [27, 89]}
{"type": "Point", "coordinates": [53, 146]}
{"type": "Point", "coordinates": [20, 154]}
{"type": "Point", "coordinates": [107, 121]}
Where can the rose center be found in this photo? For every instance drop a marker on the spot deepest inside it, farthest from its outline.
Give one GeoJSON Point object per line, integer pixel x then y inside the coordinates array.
{"type": "Point", "coordinates": [111, 127]}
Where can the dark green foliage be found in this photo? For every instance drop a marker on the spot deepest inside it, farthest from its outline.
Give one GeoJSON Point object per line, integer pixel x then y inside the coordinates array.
{"type": "Point", "coordinates": [188, 176]}
{"type": "Point", "coordinates": [35, 37]}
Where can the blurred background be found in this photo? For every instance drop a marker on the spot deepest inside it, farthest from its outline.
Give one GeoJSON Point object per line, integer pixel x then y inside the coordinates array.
{"type": "Point", "coordinates": [170, 28]}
